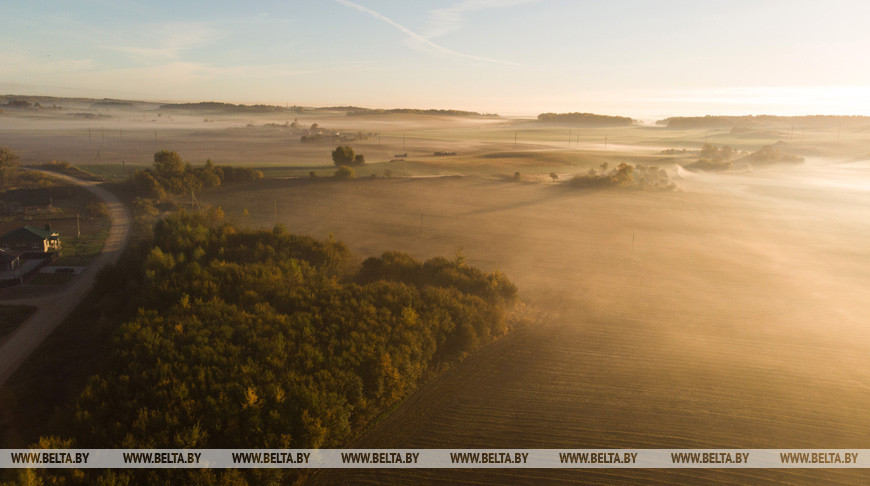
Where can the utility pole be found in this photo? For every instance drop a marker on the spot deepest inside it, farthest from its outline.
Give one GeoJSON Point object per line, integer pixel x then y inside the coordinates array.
{"type": "Point", "coordinates": [102, 134]}
{"type": "Point", "coordinates": [515, 139]}
{"type": "Point", "coordinates": [155, 136]}
{"type": "Point", "coordinates": [605, 142]}
{"type": "Point", "coordinates": [78, 228]}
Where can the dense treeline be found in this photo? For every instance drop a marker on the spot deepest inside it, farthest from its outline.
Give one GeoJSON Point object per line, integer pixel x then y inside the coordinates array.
{"type": "Point", "coordinates": [355, 111]}
{"type": "Point", "coordinates": [772, 154]}
{"type": "Point", "coordinates": [717, 159]}
{"type": "Point", "coordinates": [815, 121]}
{"type": "Point", "coordinates": [229, 107]}
{"type": "Point", "coordinates": [171, 175]}
{"type": "Point", "coordinates": [263, 339]}
{"type": "Point", "coordinates": [624, 175]}
{"type": "Point", "coordinates": [586, 119]}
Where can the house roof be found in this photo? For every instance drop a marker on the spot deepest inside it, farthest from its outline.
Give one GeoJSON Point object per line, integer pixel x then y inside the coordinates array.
{"type": "Point", "coordinates": [29, 233]}
{"type": "Point", "coordinates": [7, 256]}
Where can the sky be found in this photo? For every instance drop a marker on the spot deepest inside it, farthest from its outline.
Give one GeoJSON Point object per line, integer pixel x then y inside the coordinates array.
{"type": "Point", "coordinates": [619, 57]}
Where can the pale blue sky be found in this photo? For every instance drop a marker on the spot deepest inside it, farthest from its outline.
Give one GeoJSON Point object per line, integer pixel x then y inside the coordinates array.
{"type": "Point", "coordinates": [638, 58]}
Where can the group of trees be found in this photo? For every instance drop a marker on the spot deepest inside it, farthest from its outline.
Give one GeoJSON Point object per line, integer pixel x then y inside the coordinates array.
{"type": "Point", "coordinates": [712, 158]}
{"type": "Point", "coordinates": [814, 121]}
{"type": "Point", "coordinates": [171, 175]}
{"type": "Point", "coordinates": [586, 119]}
{"type": "Point", "coordinates": [344, 155]}
{"type": "Point", "coordinates": [771, 154]}
{"type": "Point", "coordinates": [720, 158]}
{"type": "Point", "coordinates": [230, 108]}
{"type": "Point", "coordinates": [263, 339]}
{"type": "Point", "coordinates": [356, 111]}
{"type": "Point", "coordinates": [620, 176]}
{"type": "Point", "coordinates": [624, 175]}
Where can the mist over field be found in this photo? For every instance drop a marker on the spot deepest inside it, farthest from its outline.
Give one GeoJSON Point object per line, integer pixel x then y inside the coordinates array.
{"type": "Point", "coordinates": [724, 309]}
{"type": "Point", "coordinates": [454, 242]}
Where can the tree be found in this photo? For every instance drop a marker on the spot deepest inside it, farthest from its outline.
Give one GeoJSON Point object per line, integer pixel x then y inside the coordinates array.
{"type": "Point", "coordinates": [342, 155]}
{"type": "Point", "coordinates": [554, 176]}
{"type": "Point", "coordinates": [358, 159]}
{"type": "Point", "coordinates": [623, 173]}
{"type": "Point", "coordinates": [209, 176]}
{"type": "Point", "coordinates": [168, 164]}
{"type": "Point", "coordinates": [8, 165]}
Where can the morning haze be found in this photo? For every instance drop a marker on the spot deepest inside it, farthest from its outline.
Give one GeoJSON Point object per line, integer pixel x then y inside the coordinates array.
{"type": "Point", "coordinates": [494, 225]}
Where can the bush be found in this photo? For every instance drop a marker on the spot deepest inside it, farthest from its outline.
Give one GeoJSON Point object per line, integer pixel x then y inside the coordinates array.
{"type": "Point", "coordinates": [97, 210]}
{"type": "Point", "coordinates": [345, 172]}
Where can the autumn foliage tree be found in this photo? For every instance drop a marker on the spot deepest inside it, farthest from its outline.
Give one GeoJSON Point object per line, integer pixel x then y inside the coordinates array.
{"type": "Point", "coordinates": [264, 339]}
{"type": "Point", "coordinates": [171, 175]}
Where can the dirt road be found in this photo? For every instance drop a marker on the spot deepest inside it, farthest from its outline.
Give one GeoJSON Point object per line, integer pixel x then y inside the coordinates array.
{"type": "Point", "coordinates": [54, 308]}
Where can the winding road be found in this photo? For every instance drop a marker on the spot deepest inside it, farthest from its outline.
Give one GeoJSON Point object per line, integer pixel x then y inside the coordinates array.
{"type": "Point", "coordinates": [53, 309]}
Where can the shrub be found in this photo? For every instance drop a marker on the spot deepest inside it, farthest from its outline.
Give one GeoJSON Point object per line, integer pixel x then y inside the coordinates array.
{"type": "Point", "coordinates": [345, 172]}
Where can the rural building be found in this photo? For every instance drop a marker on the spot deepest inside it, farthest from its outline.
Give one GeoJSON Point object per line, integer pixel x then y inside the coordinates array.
{"type": "Point", "coordinates": [31, 241]}
{"type": "Point", "coordinates": [9, 261]}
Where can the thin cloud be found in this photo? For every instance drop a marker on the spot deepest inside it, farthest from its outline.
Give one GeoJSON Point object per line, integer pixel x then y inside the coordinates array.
{"type": "Point", "coordinates": [419, 38]}
{"type": "Point", "coordinates": [167, 42]}
{"type": "Point", "coordinates": [450, 19]}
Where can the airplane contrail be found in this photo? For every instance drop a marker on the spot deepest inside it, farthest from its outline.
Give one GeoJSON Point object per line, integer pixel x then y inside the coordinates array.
{"type": "Point", "coordinates": [419, 38]}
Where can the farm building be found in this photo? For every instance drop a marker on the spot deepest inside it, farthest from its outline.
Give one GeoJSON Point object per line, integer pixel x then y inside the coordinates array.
{"type": "Point", "coordinates": [32, 241]}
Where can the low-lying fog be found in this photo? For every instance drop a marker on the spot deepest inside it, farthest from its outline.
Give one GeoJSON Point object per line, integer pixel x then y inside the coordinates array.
{"type": "Point", "coordinates": [730, 312]}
